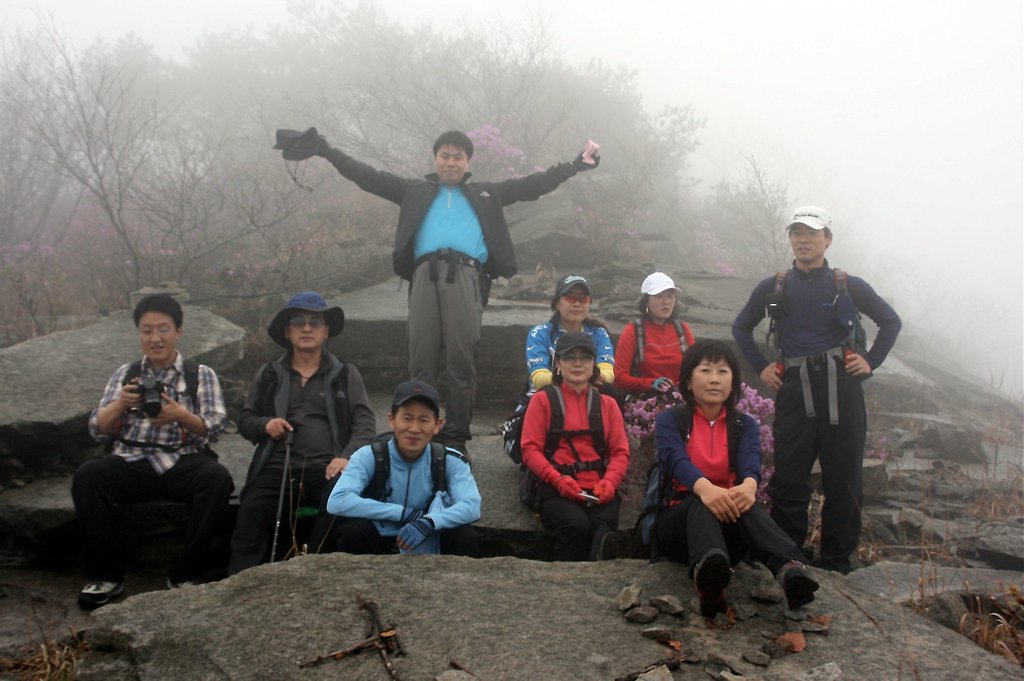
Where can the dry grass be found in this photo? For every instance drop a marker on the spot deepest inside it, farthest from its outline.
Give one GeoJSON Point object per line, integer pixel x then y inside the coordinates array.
{"type": "Point", "coordinates": [997, 624]}
{"type": "Point", "coordinates": [52, 661]}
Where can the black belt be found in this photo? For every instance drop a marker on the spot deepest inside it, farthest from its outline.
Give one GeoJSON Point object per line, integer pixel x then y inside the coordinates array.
{"type": "Point", "coordinates": [450, 256]}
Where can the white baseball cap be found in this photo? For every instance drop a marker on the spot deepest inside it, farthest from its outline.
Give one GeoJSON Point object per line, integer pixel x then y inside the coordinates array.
{"type": "Point", "coordinates": [812, 216]}
{"type": "Point", "coordinates": [658, 282]}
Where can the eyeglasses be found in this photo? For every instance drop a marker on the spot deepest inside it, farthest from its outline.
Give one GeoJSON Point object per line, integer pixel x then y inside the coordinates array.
{"type": "Point", "coordinates": [577, 358]}
{"type": "Point", "coordinates": [299, 322]}
{"type": "Point", "coordinates": [580, 298]}
{"type": "Point", "coordinates": [162, 331]}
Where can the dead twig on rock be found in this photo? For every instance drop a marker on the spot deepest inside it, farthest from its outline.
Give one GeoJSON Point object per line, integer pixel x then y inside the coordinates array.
{"type": "Point", "coordinates": [383, 639]}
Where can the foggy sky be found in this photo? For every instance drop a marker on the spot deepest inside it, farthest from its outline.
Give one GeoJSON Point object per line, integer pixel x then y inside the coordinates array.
{"type": "Point", "coordinates": [903, 119]}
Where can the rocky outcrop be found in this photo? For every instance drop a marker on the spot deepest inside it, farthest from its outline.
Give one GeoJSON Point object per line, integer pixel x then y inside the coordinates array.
{"type": "Point", "coordinates": [506, 618]}
{"type": "Point", "coordinates": [51, 383]}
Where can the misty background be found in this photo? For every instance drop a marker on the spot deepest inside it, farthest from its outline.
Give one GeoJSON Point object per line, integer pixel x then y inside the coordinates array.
{"type": "Point", "coordinates": [134, 143]}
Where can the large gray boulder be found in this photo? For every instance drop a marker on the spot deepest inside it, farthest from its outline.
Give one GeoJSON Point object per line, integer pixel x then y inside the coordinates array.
{"type": "Point", "coordinates": [506, 618]}
{"type": "Point", "coordinates": [51, 383]}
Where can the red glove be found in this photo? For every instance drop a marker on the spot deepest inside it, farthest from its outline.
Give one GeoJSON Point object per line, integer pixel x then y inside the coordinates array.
{"type": "Point", "coordinates": [568, 488]}
{"type": "Point", "coordinates": [604, 491]}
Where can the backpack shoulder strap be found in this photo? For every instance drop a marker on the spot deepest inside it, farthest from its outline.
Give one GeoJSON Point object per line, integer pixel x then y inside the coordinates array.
{"type": "Point", "coordinates": [381, 470]}
{"type": "Point", "coordinates": [192, 381]}
{"type": "Point", "coordinates": [596, 422]}
{"type": "Point", "coordinates": [734, 424]}
{"type": "Point", "coordinates": [638, 357]}
{"type": "Point", "coordinates": [684, 419]}
{"type": "Point", "coordinates": [780, 281]}
{"type": "Point", "coordinates": [556, 426]}
{"type": "Point", "coordinates": [839, 280]}
{"type": "Point", "coordinates": [438, 467]}
{"type": "Point", "coordinates": [134, 371]}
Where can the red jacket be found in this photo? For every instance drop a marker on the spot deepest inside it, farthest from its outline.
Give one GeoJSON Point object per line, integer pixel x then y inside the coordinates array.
{"type": "Point", "coordinates": [535, 429]}
{"type": "Point", "coordinates": [662, 355]}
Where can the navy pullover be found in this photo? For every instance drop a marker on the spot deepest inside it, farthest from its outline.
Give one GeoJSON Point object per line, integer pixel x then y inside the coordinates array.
{"type": "Point", "coordinates": [812, 324]}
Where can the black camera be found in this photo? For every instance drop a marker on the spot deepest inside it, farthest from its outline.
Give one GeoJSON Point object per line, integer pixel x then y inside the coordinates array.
{"type": "Point", "coordinates": [152, 391]}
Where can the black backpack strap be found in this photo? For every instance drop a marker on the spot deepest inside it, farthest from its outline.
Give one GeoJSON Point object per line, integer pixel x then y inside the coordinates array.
{"type": "Point", "coordinates": [381, 470]}
{"type": "Point", "coordinates": [134, 371]}
{"type": "Point", "coordinates": [638, 358]}
{"type": "Point", "coordinates": [734, 424]}
{"type": "Point", "coordinates": [775, 311]}
{"type": "Point", "coordinates": [684, 420]}
{"type": "Point", "coordinates": [556, 425]}
{"type": "Point", "coordinates": [596, 422]}
{"type": "Point", "coordinates": [438, 467]}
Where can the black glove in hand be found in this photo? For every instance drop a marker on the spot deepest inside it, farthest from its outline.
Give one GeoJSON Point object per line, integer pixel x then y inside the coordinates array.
{"type": "Point", "coordinates": [298, 146]}
{"type": "Point", "coordinates": [582, 166]}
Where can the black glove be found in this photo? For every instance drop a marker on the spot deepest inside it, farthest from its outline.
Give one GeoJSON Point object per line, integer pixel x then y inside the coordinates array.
{"type": "Point", "coordinates": [582, 166]}
{"type": "Point", "coordinates": [298, 146]}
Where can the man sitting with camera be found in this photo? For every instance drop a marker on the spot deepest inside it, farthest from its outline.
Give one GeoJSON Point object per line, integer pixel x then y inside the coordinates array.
{"type": "Point", "coordinates": [159, 413]}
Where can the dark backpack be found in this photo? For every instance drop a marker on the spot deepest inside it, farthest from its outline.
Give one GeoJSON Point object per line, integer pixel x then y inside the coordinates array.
{"type": "Point", "coordinates": [849, 316]}
{"type": "Point", "coordinates": [191, 373]}
{"type": "Point", "coordinates": [638, 325]}
{"type": "Point", "coordinates": [378, 487]}
{"type": "Point", "coordinates": [529, 484]}
{"type": "Point", "coordinates": [660, 491]}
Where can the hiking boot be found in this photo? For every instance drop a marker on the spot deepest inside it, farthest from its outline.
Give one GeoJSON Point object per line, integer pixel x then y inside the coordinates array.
{"type": "Point", "coordinates": [711, 576]}
{"type": "Point", "coordinates": [95, 594]}
{"type": "Point", "coordinates": [797, 584]}
{"type": "Point", "coordinates": [171, 584]}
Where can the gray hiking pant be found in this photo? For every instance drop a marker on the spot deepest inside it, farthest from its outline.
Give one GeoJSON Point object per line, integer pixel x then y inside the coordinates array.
{"type": "Point", "coordinates": [444, 321]}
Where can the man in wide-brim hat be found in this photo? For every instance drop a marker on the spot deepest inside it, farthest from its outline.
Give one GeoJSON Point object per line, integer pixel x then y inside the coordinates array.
{"type": "Point", "coordinates": [306, 413]}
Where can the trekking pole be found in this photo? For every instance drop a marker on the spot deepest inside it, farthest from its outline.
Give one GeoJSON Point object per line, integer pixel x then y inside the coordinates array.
{"type": "Point", "coordinates": [288, 437]}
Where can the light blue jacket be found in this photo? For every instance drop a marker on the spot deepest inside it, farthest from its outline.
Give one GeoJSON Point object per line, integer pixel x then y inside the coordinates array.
{"type": "Point", "coordinates": [410, 486]}
{"type": "Point", "coordinates": [540, 346]}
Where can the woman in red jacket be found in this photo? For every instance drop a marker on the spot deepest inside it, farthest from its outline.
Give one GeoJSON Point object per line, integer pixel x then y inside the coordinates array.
{"type": "Point", "coordinates": [652, 364]}
{"type": "Point", "coordinates": [578, 483]}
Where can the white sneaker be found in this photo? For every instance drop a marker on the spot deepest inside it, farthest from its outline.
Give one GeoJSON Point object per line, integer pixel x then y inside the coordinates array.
{"type": "Point", "coordinates": [96, 594]}
{"type": "Point", "coordinates": [178, 585]}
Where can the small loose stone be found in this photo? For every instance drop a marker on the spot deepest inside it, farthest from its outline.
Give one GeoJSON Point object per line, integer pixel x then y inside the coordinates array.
{"type": "Point", "coordinates": [629, 597]}
{"type": "Point", "coordinates": [669, 605]}
{"type": "Point", "coordinates": [766, 594]}
{"type": "Point", "coordinates": [761, 659]}
{"type": "Point", "coordinates": [642, 614]}
{"type": "Point", "coordinates": [660, 634]}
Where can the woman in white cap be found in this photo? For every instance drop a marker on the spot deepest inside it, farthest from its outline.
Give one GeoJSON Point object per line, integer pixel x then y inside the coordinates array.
{"type": "Point", "coordinates": [651, 349]}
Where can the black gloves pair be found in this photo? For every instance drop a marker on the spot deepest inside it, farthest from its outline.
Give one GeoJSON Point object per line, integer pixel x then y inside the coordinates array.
{"type": "Point", "coordinates": [298, 146]}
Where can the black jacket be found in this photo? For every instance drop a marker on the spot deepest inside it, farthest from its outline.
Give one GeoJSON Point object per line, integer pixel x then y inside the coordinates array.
{"type": "Point", "coordinates": [351, 419]}
{"type": "Point", "coordinates": [487, 199]}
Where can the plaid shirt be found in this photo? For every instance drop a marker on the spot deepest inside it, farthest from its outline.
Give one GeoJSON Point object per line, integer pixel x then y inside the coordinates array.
{"type": "Point", "coordinates": [136, 427]}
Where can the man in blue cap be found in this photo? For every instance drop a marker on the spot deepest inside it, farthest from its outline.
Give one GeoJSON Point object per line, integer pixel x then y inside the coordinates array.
{"type": "Point", "coordinates": [306, 413]}
{"type": "Point", "coordinates": [408, 494]}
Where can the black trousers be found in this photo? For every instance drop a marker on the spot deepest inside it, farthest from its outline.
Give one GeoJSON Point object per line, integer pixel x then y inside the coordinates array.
{"type": "Point", "coordinates": [578, 528]}
{"type": "Point", "coordinates": [688, 530]}
{"type": "Point", "coordinates": [800, 440]}
{"type": "Point", "coordinates": [99, 484]}
{"type": "Point", "coordinates": [254, 528]}
{"type": "Point", "coordinates": [360, 536]}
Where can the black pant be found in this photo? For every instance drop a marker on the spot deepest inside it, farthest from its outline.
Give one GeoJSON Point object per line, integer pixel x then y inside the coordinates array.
{"type": "Point", "coordinates": [578, 528]}
{"type": "Point", "coordinates": [839, 449]}
{"type": "Point", "coordinates": [101, 483]}
{"type": "Point", "coordinates": [360, 536]}
{"type": "Point", "coordinates": [254, 528]}
{"type": "Point", "coordinates": [686, 531]}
